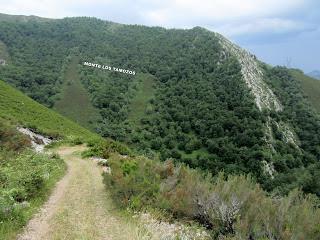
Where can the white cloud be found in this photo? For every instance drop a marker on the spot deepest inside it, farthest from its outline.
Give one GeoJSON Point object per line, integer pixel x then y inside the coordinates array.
{"type": "Point", "coordinates": [262, 25]}
{"type": "Point", "coordinates": [221, 10]}
{"type": "Point", "coordinates": [231, 17]}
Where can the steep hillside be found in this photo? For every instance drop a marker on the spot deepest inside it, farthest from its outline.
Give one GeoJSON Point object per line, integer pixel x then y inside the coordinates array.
{"type": "Point", "coordinates": [20, 109]}
{"type": "Point", "coordinates": [196, 97]}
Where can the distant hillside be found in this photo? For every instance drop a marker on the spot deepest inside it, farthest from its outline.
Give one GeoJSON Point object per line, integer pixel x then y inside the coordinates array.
{"type": "Point", "coordinates": [74, 101]}
{"type": "Point", "coordinates": [314, 74]}
{"type": "Point", "coordinates": [21, 18]}
{"type": "Point", "coordinates": [310, 86]}
{"type": "Point", "coordinates": [20, 109]}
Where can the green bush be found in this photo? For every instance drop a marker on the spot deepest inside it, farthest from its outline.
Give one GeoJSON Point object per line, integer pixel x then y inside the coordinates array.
{"type": "Point", "coordinates": [75, 140]}
{"type": "Point", "coordinates": [104, 148]}
{"type": "Point", "coordinates": [11, 139]}
{"type": "Point", "coordinates": [24, 179]}
{"type": "Point", "coordinates": [133, 182]}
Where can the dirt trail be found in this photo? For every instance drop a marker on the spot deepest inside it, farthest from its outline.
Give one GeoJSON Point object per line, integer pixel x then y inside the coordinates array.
{"type": "Point", "coordinates": [79, 207]}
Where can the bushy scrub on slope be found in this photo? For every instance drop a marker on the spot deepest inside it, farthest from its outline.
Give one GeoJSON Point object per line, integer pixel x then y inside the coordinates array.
{"type": "Point", "coordinates": [232, 207]}
{"type": "Point", "coordinates": [24, 182]}
{"type": "Point", "coordinates": [25, 179]}
{"type": "Point", "coordinates": [10, 139]}
{"type": "Point", "coordinates": [104, 147]}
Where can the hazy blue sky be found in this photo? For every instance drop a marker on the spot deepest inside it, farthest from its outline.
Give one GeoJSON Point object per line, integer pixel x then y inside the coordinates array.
{"type": "Point", "coordinates": [280, 32]}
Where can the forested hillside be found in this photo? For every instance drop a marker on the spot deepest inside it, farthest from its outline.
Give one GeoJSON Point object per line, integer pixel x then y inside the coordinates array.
{"type": "Point", "coordinates": [196, 97]}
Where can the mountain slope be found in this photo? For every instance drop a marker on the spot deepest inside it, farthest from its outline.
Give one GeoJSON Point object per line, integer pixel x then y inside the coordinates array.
{"type": "Point", "coordinates": [197, 99]}
{"type": "Point", "coordinates": [310, 86]}
{"type": "Point", "coordinates": [212, 104]}
{"type": "Point", "coordinates": [20, 109]}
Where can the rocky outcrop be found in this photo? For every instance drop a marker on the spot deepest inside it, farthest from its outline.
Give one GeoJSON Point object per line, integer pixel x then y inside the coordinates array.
{"type": "Point", "coordinates": [38, 141]}
{"type": "Point", "coordinates": [264, 96]}
{"type": "Point", "coordinates": [288, 135]}
{"type": "Point", "coordinates": [252, 75]}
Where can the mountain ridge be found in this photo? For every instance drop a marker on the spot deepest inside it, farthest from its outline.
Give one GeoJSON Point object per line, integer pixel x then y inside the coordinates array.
{"type": "Point", "coordinates": [314, 74]}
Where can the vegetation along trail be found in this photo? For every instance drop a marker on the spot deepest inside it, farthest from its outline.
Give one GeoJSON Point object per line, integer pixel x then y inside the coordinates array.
{"type": "Point", "coordinates": [79, 207]}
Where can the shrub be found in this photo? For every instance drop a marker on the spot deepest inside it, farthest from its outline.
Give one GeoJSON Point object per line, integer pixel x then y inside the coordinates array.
{"type": "Point", "coordinates": [105, 148]}
{"type": "Point", "coordinates": [11, 139]}
{"type": "Point", "coordinates": [74, 140]}
{"type": "Point", "coordinates": [233, 207]}
{"type": "Point", "coordinates": [133, 182]}
{"type": "Point", "coordinates": [23, 178]}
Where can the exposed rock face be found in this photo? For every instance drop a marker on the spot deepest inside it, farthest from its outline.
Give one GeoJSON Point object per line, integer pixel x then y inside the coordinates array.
{"type": "Point", "coordinates": [269, 135]}
{"type": "Point", "coordinates": [38, 141]}
{"type": "Point", "coordinates": [268, 169]}
{"type": "Point", "coordinates": [264, 96]}
{"type": "Point", "coordinates": [252, 75]}
{"type": "Point", "coordinates": [288, 135]}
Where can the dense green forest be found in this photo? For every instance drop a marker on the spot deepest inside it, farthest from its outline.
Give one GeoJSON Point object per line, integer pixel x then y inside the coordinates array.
{"type": "Point", "coordinates": [188, 100]}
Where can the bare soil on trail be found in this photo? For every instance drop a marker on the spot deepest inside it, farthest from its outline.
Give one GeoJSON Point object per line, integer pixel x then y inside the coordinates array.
{"type": "Point", "coordinates": [79, 207]}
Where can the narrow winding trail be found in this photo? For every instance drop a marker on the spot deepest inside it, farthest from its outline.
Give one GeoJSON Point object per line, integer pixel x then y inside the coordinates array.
{"type": "Point", "coordinates": [79, 207]}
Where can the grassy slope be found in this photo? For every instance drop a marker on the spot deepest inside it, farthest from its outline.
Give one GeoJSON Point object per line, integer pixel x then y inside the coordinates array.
{"type": "Point", "coordinates": [20, 109]}
{"type": "Point", "coordinates": [143, 95]}
{"type": "Point", "coordinates": [3, 51]}
{"type": "Point", "coordinates": [310, 86]}
{"type": "Point", "coordinates": [75, 103]}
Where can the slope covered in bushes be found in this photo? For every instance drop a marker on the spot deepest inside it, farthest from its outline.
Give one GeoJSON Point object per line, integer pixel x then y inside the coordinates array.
{"type": "Point", "coordinates": [233, 207]}
{"type": "Point", "coordinates": [26, 179]}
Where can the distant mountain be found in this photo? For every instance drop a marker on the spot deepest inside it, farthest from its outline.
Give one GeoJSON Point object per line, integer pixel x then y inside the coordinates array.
{"type": "Point", "coordinates": [315, 74]}
{"type": "Point", "coordinates": [21, 18]}
{"type": "Point", "coordinates": [196, 97]}
{"type": "Point", "coordinates": [310, 87]}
